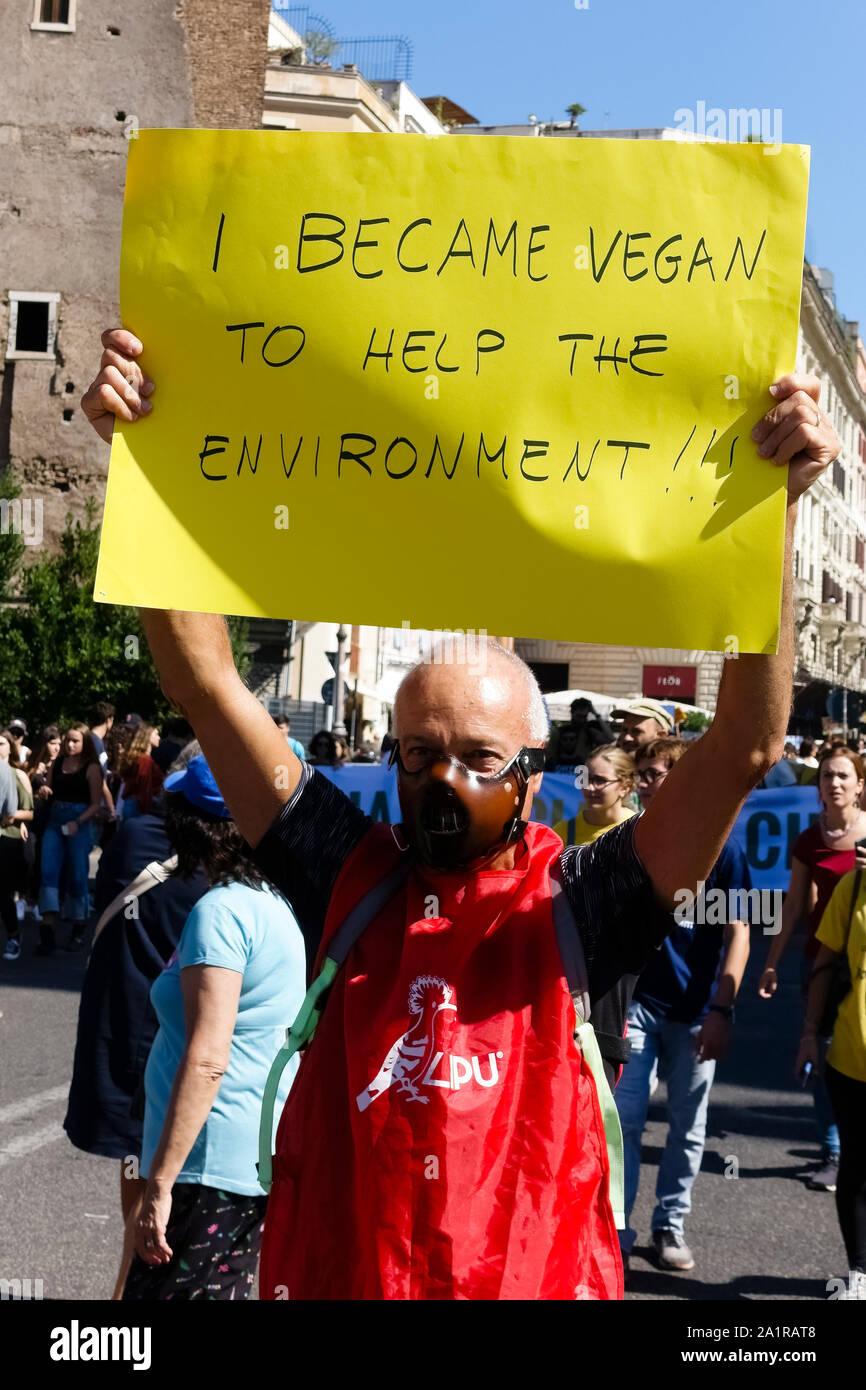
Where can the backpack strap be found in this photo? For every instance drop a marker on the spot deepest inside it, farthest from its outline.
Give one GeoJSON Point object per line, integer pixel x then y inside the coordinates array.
{"type": "Point", "coordinates": [304, 1026]}
{"type": "Point", "coordinates": [855, 894]}
{"type": "Point", "coordinates": [577, 980]}
{"type": "Point", "coordinates": [152, 874]}
{"type": "Point", "coordinates": [570, 945]}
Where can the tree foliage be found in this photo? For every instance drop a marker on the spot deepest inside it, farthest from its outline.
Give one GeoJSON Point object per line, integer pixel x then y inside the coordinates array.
{"type": "Point", "coordinates": [60, 651]}
{"type": "Point", "coordinates": [695, 722]}
{"type": "Point", "coordinates": [319, 45]}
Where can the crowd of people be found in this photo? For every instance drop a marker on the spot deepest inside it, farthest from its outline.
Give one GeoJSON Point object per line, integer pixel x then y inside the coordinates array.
{"type": "Point", "coordinates": [683, 1003]}
{"type": "Point", "coordinates": [186, 996]}
{"type": "Point", "coordinates": [61, 798]}
{"type": "Point", "coordinates": [66, 794]}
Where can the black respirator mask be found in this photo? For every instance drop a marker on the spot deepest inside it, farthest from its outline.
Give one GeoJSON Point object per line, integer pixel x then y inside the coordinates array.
{"type": "Point", "coordinates": [456, 818]}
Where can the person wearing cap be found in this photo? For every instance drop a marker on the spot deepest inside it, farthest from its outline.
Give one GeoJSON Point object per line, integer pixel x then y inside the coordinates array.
{"type": "Point", "coordinates": [221, 1003]}
{"type": "Point", "coordinates": [445, 1139]}
{"type": "Point", "coordinates": [642, 721]}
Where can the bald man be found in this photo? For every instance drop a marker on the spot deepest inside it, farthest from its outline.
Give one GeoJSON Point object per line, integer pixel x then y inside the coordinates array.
{"type": "Point", "coordinates": [444, 1137]}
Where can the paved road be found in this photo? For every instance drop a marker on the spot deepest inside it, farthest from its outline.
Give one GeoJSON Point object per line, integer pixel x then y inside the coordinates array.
{"type": "Point", "coordinates": [59, 1208]}
{"type": "Point", "coordinates": [762, 1235]}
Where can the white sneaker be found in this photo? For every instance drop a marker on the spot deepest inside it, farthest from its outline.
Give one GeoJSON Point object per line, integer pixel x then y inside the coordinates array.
{"type": "Point", "coordinates": [856, 1291]}
{"type": "Point", "coordinates": [13, 948]}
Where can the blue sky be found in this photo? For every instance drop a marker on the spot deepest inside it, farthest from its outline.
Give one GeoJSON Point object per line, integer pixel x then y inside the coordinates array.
{"type": "Point", "coordinates": [636, 62]}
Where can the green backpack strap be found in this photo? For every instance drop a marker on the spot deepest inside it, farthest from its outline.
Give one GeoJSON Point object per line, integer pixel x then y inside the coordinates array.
{"type": "Point", "coordinates": [312, 1008]}
{"type": "Point", "coordinates": [585, 1035]}
{"type": "Point", "coordinates": [577, 979]}
{"type": "Point", "coordinates": [297, 1037]}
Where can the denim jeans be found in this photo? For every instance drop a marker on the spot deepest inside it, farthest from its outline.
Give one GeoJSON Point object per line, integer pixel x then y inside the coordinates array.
{"type": "Point", "coordinates": [656, 1039]}
{"type": "Point", "coordinates": [69, 852]}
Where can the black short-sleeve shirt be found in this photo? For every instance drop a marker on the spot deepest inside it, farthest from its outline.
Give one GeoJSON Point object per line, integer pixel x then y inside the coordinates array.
{"type": "Point", "coordinates": [609, 891]}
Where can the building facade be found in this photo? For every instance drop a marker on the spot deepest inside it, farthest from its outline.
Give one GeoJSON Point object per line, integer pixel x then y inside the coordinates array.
{"type": "Point", "coordinates": [78, 79]}
{"type": "Point", "coordinates": [303, 95]}
{"type": "Point", "coordinates": [830, 537]}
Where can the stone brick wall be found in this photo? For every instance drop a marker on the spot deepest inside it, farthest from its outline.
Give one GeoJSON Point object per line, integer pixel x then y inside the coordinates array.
{"type": "Point", "coordinates": [618, 671]}
{"type": "Point", "coordinates": [227, 43]}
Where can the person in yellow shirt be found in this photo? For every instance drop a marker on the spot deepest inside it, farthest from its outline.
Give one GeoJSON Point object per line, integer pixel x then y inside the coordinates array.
{"type": "Point", "coordinates": [843, 932]}
{"type": "Point", "coordinates": [608, 781]}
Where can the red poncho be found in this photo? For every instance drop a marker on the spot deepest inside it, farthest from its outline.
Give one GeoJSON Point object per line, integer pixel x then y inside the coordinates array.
{"type": "Point", "coordinates": [443, 1137]}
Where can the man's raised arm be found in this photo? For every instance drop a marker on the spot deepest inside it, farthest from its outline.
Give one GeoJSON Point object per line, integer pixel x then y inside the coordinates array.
{"type": "Point", "coordinates": [682, 832]}
{"type": "Point", "coordinates": [255, 769]}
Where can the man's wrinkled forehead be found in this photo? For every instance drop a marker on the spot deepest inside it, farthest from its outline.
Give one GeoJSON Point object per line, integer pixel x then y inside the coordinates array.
{"type": "Point", "coordinates": [453, 700]}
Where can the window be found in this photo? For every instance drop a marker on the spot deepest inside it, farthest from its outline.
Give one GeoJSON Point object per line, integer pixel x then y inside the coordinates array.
{"type": "Point", "coordinates": [551, 675]}
{"type": "Point", "coordinates": [32, 325]}
{"type": "Point", "coordinates": [831, 592]}
{"type": "Point", "coordinates": [57, 16]}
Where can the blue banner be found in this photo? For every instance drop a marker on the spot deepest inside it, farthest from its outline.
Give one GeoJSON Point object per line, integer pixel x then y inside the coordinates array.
{"type": "Point", "coordinates": [765, 829]}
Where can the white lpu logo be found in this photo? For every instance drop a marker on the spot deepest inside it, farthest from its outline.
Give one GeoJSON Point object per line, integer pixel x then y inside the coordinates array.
{"type": "Point", "coordinates": [413, 1060]}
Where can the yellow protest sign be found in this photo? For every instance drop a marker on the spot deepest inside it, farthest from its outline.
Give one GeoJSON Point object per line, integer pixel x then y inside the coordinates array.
{"type": "Point", "coordinates": [460, 382]}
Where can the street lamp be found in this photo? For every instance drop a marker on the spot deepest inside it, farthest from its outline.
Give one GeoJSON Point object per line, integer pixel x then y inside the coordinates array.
{"type": "Point", "coordinates": [339, 689]}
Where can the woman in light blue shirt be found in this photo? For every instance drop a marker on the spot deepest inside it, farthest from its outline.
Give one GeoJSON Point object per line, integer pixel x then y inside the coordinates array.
{"type": "Point", "coordinates": [223, 1002]}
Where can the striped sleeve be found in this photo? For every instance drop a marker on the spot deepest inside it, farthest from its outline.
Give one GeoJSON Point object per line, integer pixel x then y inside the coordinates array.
{"type": "Point", "coordinates": [613, 901]}
{"type": "Point", "coordinates": [307, 845]}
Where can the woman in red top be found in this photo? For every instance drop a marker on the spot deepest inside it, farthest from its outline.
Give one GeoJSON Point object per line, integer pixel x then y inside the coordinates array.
{"type": "Point", "coordinates": [821, 855]}
{"type": "Point", "coordinates": [142, 777]}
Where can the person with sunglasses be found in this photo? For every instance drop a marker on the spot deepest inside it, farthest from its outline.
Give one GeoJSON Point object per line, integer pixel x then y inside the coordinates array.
{"type": "Point", "coordinates": [444, 1137]}
{"type": "Point", "coordinates": [607, 782]}
{"type": "Point", "coordinates": [680, 1017]}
